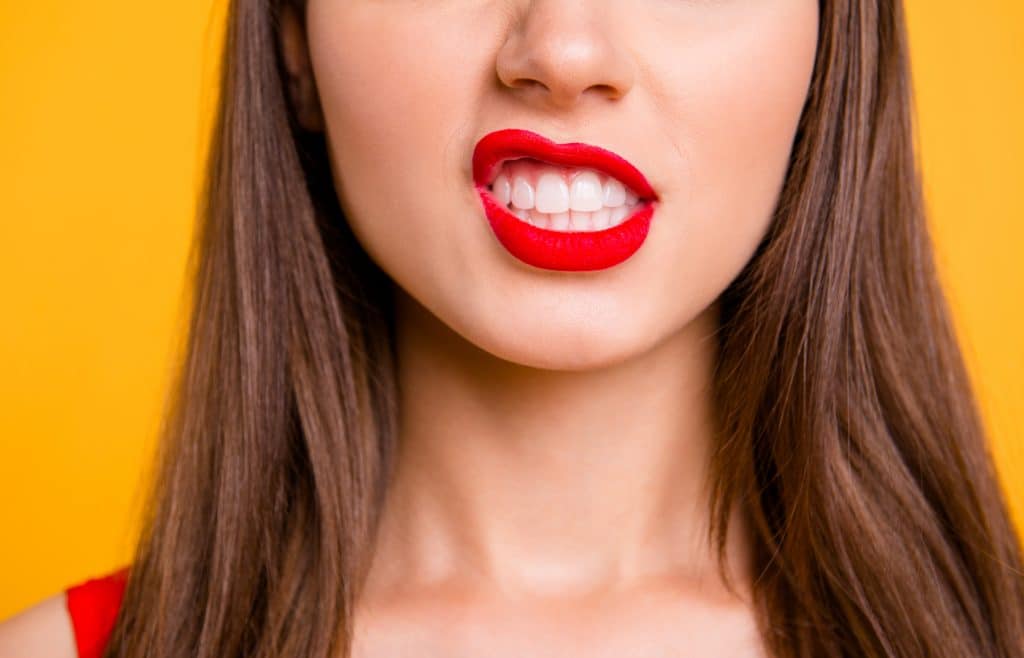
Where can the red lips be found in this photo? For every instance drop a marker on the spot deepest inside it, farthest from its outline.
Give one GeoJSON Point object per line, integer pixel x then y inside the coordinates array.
{"type": "Point", "coordinates": [561, 250]}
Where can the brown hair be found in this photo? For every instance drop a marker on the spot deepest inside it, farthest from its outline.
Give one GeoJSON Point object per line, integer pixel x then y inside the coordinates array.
{"type": "Point", "coordinates": [849, 430]}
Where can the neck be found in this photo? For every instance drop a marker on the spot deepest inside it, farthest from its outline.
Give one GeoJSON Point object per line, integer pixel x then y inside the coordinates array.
{"type": "Point", "coordinates": [546, 480]}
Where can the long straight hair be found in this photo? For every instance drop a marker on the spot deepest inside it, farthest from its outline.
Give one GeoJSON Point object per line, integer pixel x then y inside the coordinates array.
{"type": "Point", "coordinates": [849, 430]}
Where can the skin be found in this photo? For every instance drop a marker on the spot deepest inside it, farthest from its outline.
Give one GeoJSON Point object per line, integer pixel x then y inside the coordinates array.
{"type": "Point", "coordinates": [556, 426]}
{"type": "Point", "coordinates": [41, 631]}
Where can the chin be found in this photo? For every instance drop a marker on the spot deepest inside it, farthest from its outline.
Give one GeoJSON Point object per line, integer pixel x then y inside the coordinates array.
{"type": "Point", "coordinates": [570, 345]}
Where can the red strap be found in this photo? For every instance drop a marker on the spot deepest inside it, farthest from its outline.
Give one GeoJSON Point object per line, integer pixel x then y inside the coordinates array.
{"type": "Point", "coordinates": [93, 605]}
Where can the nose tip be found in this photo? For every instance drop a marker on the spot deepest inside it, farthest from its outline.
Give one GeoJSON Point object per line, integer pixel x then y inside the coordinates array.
{"type": "Point", "coordinates": [561, 51]}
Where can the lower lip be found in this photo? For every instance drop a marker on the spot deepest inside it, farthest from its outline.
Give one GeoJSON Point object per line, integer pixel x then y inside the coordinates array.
{"type": "Point", "coordinates": [577, 251]}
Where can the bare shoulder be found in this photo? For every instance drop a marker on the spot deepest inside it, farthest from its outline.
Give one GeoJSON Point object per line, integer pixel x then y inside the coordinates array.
{"type": "Point", "coordinates": [43, 629]}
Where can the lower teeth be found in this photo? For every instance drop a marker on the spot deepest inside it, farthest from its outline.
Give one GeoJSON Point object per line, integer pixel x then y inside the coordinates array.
{"type": "Point", "coordinates": [574, 222]}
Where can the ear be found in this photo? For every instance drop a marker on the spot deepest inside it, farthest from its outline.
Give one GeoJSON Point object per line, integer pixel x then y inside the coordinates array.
{"type": "Point", "coordinates": [301, 85]}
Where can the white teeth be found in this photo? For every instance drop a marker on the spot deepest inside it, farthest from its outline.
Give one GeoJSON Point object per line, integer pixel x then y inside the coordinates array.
{"type": "Point", "coordinates": [552, 194]}
{"type": "Point", "coordinates": [503, 190]}
{"type": "Point", "coordinates": [553, 198]}
{"type": "Point", "coordinates": [614, 193]}
{"type": "Point", "coordinates": [602, 218]}
{"type": "Point", "coordinates": [580, 221]}
{"type": "Point", "coordinates": [560, 221]}
{"type": "Point", "coordinates": [586, 193]}
{"type": "Point", "coordinates": [574, 220]}
{"type": "Point", "coordinates": [522, 194]}
{"type": "Point", "coordinates": [540, 219]}
{"type": "Point", "coordinates": [619, 213]}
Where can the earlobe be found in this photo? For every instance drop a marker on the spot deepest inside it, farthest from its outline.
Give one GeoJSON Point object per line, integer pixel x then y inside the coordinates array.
{"type": "Point", "coordinates": [301, 85]}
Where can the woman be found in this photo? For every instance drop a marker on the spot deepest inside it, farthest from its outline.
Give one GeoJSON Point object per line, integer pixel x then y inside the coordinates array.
{"type": "Point", "coordinates": [564, 328]}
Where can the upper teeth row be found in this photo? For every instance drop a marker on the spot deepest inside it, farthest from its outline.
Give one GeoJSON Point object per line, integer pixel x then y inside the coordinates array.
{"type": "Point", "coordinates": [550, 189]}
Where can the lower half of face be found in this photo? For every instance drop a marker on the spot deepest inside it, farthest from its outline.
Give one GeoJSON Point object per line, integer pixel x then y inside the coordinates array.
{"type": "Point", "coordinates": [702, 97]}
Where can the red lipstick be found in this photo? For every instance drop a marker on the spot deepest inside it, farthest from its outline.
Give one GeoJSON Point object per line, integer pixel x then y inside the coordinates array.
{"type": "Point", "coordinates": [561, 250]}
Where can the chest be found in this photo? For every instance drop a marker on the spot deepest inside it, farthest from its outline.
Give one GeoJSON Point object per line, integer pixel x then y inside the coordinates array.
{"type": "Point", "coordinates": [560, 631]}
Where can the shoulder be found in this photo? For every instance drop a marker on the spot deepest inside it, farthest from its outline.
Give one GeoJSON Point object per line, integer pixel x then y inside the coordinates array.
{"type": "Point", "coordinates": [73, 624]}
{"type": "Point", "coordinates": [43, 629]}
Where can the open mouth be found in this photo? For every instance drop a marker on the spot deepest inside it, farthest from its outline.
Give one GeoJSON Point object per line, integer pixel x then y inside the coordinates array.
{"type": "Point", "coordinates": [561, 198]}
{"type": "Point", "coordinates": [561, 206]}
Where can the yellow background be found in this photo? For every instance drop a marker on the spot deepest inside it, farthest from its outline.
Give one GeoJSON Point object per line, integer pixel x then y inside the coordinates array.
{"type": "Point", "coordinates": [102, 105]}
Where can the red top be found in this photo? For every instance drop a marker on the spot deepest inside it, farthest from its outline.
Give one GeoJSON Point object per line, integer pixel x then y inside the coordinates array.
{"type": "Point", "coordinates": [93, 605]}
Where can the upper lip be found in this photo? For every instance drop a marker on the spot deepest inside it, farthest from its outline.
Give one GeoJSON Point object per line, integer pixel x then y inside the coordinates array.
{"type": "Point", "coordinates": [501, 145]}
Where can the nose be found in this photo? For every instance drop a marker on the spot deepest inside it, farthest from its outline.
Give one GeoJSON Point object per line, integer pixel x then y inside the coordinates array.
{"type": "Point", "coordinates": [559, 50]}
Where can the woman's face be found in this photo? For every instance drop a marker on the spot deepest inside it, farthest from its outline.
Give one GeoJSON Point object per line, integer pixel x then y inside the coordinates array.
{"type": "Point", "coordinates": [702, 96]}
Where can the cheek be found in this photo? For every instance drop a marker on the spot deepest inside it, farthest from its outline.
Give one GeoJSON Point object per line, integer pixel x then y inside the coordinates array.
{"type": "Point", "coordinates": [393, 82]}
{"type": "Point", "coordinates": [735, 91]}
